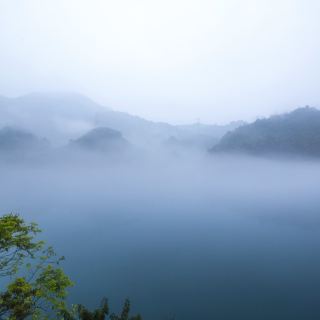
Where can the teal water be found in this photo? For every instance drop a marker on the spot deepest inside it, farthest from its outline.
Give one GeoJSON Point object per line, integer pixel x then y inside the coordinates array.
{"type": "Point", "coordinates": [225, 240]}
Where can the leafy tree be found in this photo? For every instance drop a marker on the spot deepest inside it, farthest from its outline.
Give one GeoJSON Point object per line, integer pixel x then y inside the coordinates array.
{"type": "Point", "coordinates": [17, 242]}
{"type": "Point", "coordinates": [38, 286]}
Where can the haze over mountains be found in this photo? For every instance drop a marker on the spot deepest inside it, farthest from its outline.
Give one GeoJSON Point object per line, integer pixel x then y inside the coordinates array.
{"type": "Point", "coordinates": [50, 121]}
{"type": "Point", "coordinates": [62, 117]}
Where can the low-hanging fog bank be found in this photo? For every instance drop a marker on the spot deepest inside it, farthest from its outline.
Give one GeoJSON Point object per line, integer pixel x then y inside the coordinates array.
{"type": "Point", "coordinates": [229, 236]}
{"type": "Point", "coordinates": [144, 210]}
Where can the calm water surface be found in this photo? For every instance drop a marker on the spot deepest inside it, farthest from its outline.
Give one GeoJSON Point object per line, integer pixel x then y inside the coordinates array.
{"type": "Point", "coordinates": [230, 239]}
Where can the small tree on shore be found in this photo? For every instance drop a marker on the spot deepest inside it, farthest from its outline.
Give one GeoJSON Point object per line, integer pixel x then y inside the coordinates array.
{"type": "Point", "coordinates": [36, 285]}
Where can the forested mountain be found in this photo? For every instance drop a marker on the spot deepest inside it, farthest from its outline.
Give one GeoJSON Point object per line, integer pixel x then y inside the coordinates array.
{"type": "Point", "coordinates": [295, 133]}
{"type": "Point", "coordinates": [60, 117]}
{"type": "Point", "coordinates": [101, 139]}
{"type": "Point", "coordinates": [17, 144]}
{"type": "Point", "coordinates": [73, 120]}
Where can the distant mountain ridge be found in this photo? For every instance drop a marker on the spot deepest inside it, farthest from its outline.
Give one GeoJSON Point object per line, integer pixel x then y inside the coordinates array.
{"type": "Point", "coordinates": [294, 133]}
{"type": "Point", "coordinates": [73, 121]}
{"type": "Point", "coordinates": [60, 117]}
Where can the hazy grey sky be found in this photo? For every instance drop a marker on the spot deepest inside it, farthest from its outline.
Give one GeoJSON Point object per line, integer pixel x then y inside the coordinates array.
{"type": "Point", "coordinates": [168, 60]}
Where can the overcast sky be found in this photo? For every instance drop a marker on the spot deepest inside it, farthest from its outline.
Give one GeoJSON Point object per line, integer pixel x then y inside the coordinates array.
{"type": "Point", "coordinates": [166, 60]}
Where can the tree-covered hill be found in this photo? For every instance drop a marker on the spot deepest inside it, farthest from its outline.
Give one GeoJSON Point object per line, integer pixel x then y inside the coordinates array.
{"type": "Point", "coordinates": [294, 133]}
{"type": "Point", "coordinates": [101, 139]}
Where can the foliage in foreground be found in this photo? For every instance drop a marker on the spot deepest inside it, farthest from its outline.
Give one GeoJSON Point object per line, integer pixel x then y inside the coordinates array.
{"type": "Point", "coordinates": [36, 284]}
{"type": "Point", "coordinates": [80, 312]}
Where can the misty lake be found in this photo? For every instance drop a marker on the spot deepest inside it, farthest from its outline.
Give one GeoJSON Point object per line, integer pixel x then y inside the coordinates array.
{"type": "Point", "coordinates": [200, 239]}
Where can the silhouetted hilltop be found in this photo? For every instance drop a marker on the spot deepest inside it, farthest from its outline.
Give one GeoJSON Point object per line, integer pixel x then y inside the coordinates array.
{"type": "Point", "coordinates": [101, 139]}
{"type": "Point", "coordinates": [19, 141]}
{"type": "Point", "coordinates": [297, 132]}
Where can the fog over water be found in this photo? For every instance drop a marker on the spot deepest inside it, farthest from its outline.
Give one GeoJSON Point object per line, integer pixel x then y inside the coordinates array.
{"type": "Point", "coordinates": [170, 150]}
{"type": "Point", "coordinates": [210, 237]}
